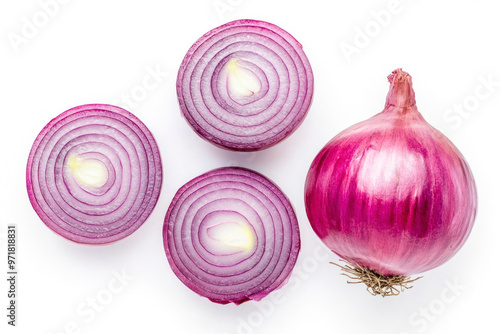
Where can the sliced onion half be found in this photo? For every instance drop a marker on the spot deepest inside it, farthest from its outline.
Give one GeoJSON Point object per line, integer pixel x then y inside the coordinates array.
{"type": "Point", "coordinates": [94, 174]}
{"type": "Point", "coordinates": [245, 85]}
{"type": "Point", "coordinates": [231, 235]}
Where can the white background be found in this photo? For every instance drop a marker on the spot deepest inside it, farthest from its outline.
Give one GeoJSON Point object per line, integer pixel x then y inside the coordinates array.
{"type": "Point", "coordinates": [96, 51]}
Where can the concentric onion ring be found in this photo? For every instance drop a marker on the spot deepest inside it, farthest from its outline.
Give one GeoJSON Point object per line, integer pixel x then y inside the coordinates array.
{"type": "Point", "coordinates": [245, 85]}
{"type": "Point", "coordinates": [231, 235]}
{"type": "Point", "coordinates": [94, 174]}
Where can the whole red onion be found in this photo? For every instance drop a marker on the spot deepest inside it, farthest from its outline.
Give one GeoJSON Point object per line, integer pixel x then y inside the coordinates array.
{"type": "Point", "coordinates": [392, 196]}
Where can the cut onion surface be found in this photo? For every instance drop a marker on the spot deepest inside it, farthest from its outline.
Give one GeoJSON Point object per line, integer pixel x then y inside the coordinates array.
{"type": "Point", "coordinates": [94, 174]}
{"type": "Point", "coordinates": [231, 235]}
{"type": "Point", "coordinates": [245, 85]}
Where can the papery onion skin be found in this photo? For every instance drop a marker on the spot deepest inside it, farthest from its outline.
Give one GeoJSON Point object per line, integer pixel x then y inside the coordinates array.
{"type": "Point", "coordinates": [275, 75]}
{"type": "Point", "coordinates": [392, 193]}
{"type": "Point", "coordinates": [94, 174]}
{"type": "Point", "coordinates": [266, 239]}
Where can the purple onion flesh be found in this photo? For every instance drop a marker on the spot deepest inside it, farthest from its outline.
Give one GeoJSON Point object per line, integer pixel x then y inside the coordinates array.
{"type": "Point", "coordinates": [245, 85]}
{"type": "Point", "coordinates": [94, 174]}
{"type": "Point", "coordinates": [231, 235]}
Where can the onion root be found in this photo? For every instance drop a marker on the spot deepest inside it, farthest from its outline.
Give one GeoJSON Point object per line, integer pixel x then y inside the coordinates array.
{"type": "Point", "coordinates": [376, 283]}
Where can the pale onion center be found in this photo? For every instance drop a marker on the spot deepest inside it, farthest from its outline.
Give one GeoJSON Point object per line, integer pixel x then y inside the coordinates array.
{"type": "Point", "coordinates": [241, 81]}
{"type": "Point", "coordinates": [90, 172]}
{"type": "Point", "coordinates": [232, 234]}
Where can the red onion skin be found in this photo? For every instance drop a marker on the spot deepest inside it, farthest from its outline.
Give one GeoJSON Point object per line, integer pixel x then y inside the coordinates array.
{"type": "Point", "coordinates": [392, 193]}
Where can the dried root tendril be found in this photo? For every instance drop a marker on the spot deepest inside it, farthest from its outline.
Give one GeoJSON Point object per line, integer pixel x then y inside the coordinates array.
{"type": "Point", "coordinates": [376, 284]}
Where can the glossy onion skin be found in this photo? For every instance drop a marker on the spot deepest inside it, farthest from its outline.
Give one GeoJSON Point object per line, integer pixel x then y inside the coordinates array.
{"type": "Point", "coordinates": [220, 273]}
{"type": "Point", "coordinates": [257, 121]}
{"type": "Point", "coordinates": [392, 193]}
{"type": "Point", "coordinates": [112, 138]}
